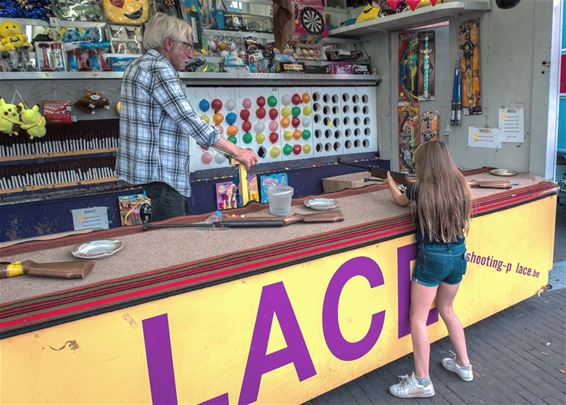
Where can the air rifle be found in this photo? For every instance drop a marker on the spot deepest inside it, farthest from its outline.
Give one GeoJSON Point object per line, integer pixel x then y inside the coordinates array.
{"type": "Point", "coordinates": [256, 222]}
{"type": "Point", "coordinates": [500, 184]}
{"type": "Point", "coordinates": [66, 270]}
{"type": "Point", "coordinates": [400, 178]}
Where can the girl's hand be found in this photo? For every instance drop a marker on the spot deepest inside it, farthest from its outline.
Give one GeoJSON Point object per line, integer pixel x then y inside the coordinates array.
{"type": "Point", "coordinates": [390, 182]}
{"type": "Point", "coordinates": [399, 198]}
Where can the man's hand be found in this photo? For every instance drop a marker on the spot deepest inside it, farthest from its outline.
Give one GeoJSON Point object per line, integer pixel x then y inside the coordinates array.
{"type": "Point", "coordinates": [247, 157]}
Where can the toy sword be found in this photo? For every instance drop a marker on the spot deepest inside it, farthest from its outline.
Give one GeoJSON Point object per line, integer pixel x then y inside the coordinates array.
{"type": "Point", "coordinates": [456, 110]}
{"type": "Point", "coordinates": [426, 67]}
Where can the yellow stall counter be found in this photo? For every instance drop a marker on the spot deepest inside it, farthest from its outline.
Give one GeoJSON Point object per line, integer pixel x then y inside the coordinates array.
{"type": "Point", "coordinates": [281, 323]}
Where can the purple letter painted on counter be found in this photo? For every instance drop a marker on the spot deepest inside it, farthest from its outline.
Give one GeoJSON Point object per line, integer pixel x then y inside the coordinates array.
{"type": "Point", "coordinates": [274, 301]}
{"type": "Point", "coordinates": [340, 347]}
{"type": "Point", "coordinates": [405, 255]}
{"type": "Point", "coordinates": [219, 400]}
{"type": "Point", "coordinates": [159, 360]}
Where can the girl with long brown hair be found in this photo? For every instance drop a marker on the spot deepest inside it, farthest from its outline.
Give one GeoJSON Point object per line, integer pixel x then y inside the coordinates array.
{"type": "Point", "coordinates": [443, 202]}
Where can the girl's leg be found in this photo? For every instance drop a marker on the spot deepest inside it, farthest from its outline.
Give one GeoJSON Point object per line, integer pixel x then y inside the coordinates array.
{"type": "Point", "coordinates": [422, 298]}
{"type": "Point", "coordinates": [445, 306]}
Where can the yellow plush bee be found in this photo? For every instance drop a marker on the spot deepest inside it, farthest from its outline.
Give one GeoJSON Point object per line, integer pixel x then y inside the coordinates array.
{"type": "Point", "coordinates": [370, 12]}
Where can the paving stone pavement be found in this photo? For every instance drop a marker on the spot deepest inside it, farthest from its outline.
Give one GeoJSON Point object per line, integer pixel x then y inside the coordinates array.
{"type": "Point", "coordinates": [518, 355]}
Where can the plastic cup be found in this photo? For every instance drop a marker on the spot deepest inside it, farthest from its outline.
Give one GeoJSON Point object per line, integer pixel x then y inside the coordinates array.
{"type": "Point", "coordinates": [280, 199]}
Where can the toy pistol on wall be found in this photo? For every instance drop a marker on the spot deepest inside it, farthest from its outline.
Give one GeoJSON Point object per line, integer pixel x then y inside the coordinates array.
{"type": "Point", "coordinates": [66, 270]}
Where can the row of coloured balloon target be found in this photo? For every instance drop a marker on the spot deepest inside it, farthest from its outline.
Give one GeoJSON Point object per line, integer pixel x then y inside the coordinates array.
{"type": "Point", "coordinates": [286, 123]}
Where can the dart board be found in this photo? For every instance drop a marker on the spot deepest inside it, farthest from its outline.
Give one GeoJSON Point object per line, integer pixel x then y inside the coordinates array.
{"type": "Point", "coordinates": [309, 18]}
{"type": "Point", "coordinates": [312, 21]}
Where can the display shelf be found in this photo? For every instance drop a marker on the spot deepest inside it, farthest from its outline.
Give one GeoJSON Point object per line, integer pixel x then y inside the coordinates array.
{"type": "Point", "coordinates": [59, 75]}
{"type": "Point", "coordinates": [204, 78]}
{"type": "Point", "coordinates": [240, 34]}
{"type": "Point", "coordinates": [26, 21]}
{"type": "Point", "coordinates": [411, 19]}
{"type": "Point", "coordinates": [55, 22]}
{"type": "Point", "coordinates": [19, 158]}
{"type": "Point", "coordinates": [6, 191]}
{"type": "Point", "coordinates": [261, 78]}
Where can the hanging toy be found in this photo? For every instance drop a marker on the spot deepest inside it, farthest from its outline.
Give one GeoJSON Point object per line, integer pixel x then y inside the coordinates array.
{"type": "Point", "coordinates": [91, 101]}
{"type": "Point", "coordinates": [9, 118]}
{"type": "Point", "coordinates": [32, 121]}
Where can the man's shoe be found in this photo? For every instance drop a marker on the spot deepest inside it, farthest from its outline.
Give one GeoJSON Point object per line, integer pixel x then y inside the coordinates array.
{"type": "Point", "coordinates": [409, 387]}
{"type": "Point", "coordinates": [464, 372]}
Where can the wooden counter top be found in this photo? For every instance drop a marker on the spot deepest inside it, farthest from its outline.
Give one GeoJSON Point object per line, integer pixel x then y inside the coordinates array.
{"type": "Point", "coordinates": [162, 248]}
{"type": "Point", "coordinates": [163, 262]}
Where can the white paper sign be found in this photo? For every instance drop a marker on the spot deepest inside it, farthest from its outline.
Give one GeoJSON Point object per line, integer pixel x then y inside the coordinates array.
{"type": "Point", "coordinates": [512, 124]}
{"type": "Point", "coordinates": [90, 218]}
{"type": "Point", "coordinates": [484, 137]}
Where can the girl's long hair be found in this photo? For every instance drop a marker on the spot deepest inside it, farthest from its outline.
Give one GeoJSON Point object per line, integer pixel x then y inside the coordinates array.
{"type": "Point", "coordinates": [444, 198]}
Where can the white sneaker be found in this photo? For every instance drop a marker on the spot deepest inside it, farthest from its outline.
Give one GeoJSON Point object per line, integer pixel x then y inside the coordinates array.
{"type": "Point", "coordinates": [409, 387]}
{"type": "Point", "coordinates": [464, 372]}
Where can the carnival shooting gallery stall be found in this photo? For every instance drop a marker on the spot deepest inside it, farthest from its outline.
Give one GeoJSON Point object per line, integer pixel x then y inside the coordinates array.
{"type": "Point", "coordinates": [198, 309]}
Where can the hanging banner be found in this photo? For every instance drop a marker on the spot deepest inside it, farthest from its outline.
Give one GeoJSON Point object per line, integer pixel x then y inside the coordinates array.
{"type": "Point", "coordinates": [408, 116]}
{"type": "Point", "coordinates": [408, 66]}
{"type": "Point", "coordinates": [430, 121]}
{"type": "Point", "coordinates": [469, 39]}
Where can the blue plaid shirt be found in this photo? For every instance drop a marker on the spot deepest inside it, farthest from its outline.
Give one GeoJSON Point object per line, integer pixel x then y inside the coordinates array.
{"type": "Point", "coordinates": [156, 121]}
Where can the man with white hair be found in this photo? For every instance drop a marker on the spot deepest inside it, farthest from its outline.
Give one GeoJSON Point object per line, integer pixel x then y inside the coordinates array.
{"type": "Point", "coordinates": [156, 120]}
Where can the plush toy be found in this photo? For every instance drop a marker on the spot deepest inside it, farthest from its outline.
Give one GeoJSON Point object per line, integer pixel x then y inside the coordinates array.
{"type": "Point", "coordinates": [91, 101]}
{"type": "Point", "coordinates": [32, 121]}
{"type": "Point", "coordinates": [370, 12]}
{"type": "Point", "coordinates": [92, 34]}
{"type": "Point", "coordinates": [72, 35]}
{"type": "Point", "coordinates": [126, 11]}
{"type": "Point", "coordinates": [12, 36]}
{"type": "Point", "coordinates": [9, 118]}
{"type": "Point", "coordinates": [47, 35]}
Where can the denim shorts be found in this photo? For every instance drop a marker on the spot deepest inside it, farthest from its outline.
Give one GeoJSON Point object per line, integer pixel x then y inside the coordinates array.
{"type": "Point", "coordinates": [440, 262]}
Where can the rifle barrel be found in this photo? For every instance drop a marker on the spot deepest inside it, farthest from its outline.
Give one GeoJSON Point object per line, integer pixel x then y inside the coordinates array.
{"type": "Point", "coordinates": [341, 162]}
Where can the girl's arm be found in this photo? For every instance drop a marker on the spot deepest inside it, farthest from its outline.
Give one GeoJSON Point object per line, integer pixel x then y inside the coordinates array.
{"type": "Point", "coordinates": [399, 198]}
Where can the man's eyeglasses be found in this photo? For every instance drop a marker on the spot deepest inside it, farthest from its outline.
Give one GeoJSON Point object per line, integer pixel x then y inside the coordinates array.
{"type": "Point", "coordinates": [186, 45]}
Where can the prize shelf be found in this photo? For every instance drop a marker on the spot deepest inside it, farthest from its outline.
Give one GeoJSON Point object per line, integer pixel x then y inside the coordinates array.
{"type": "Point", "coordinates": [55, 22]}
{"type": "Point", "coordinates": [410, 19]}
{"type": "Point", "coordinates": [42, 156]}
{"type": "Point", "coordinates": [204, 77]}
{"type": "Point", "coordinates": [57, 186]}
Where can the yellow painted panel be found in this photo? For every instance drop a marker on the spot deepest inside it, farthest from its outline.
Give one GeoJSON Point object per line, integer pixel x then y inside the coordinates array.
{"type": "Point", "coordinates": [102, 359]}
